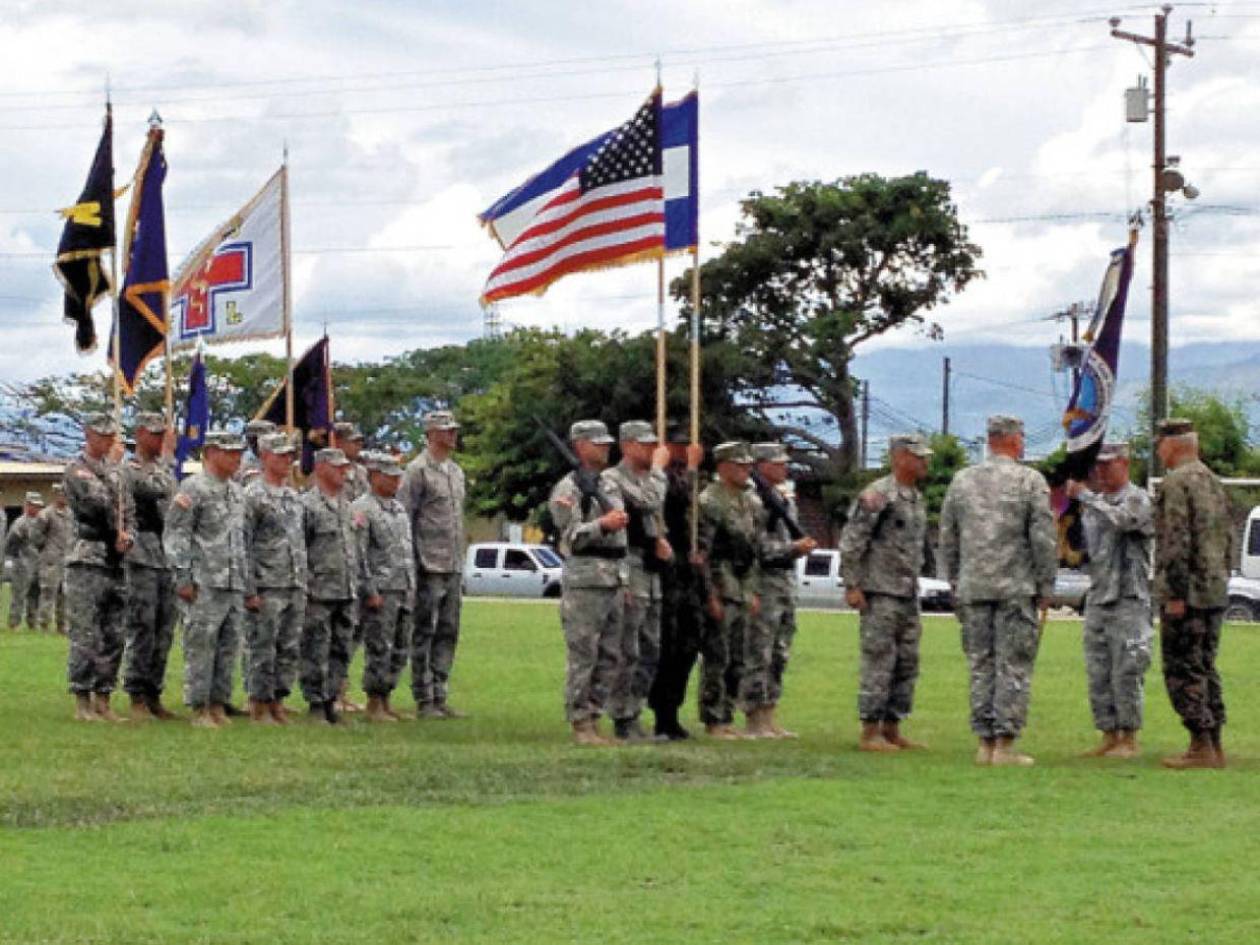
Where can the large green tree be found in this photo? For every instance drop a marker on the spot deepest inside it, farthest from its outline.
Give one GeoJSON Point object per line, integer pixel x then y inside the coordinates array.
{"type": "Point", "coordinates": [816, 270]}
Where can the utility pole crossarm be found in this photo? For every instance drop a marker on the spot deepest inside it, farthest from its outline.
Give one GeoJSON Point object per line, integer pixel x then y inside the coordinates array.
{"type": "Point", "coordinates": [1149, 41]}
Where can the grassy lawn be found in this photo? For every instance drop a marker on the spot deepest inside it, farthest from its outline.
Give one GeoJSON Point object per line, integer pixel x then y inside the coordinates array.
{"type": "Point", "coordinates": [495, 829]}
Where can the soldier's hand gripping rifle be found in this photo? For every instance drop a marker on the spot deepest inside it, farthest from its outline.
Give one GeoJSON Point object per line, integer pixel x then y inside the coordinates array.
{"type": "Point", "coordinates": [586, 480]}
{"type": "Point", "coordinates": [776, 506]}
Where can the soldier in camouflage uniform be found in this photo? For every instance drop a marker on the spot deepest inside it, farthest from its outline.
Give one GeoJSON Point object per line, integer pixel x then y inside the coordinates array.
{"type": "Point", "coordinates": [275, 541]}
{"type": "Point", "coordinates": [596, 576]}
{"type": "Point", "coordinates": [998, 551]}
{"type": "Point", "coordinates": [251, 462]}
{"type": "Point", "coordinates": [151, 608]}
{"type": "Point", "coordinates": [640, 478]}
{"type": "Point", "coordinates": [387, 586]}
{"type": "Point", "coordinates": [778, 574]}
{"type": "Point", "coordinates": [95, 584]}
{"type": "Point", "coordinates": [350, 439]}
{"type": "Point", "coordinates": [54, 533]}
{"type": "Point", "coordinates": [1193, 556]}
{"type": "Point", "coordinates": [434, 495]}
{"type": "Point", "coordinates": [204, 540]}
{"type": "Point", "coordinates": [22, 547]}
{"type": "Point", "coordinates": [333, 567]}
{"type": "Point", "coordinates": [1117, 636]}
{"type": "Point", "coordinates": [881, 558]}
{"type": "Point", "coordinates": [682, 593]}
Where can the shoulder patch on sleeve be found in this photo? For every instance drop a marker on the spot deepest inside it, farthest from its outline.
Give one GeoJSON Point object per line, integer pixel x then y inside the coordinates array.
{"type": "Point", "coordinates": [84, 473]}
{"type": "Point", "coordinates": [184, 501]}
{"type": "Point", "coordinates": [873, 500]}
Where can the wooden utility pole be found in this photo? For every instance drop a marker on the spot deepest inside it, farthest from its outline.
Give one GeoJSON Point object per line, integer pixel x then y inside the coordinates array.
{"type": "Point", "coordinates": [1163, 50]}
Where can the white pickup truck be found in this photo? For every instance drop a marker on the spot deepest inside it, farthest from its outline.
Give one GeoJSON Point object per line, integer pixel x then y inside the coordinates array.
{"type": "Point", "coordinates": [1244, 586]}
{"type": "Point", "coordinates": [510, 569]}
{"type": "Point", "coordinates": [819, 584]}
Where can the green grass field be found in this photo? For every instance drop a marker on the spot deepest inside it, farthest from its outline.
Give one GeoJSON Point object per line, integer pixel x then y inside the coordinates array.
{"type": "Point", "coordinates": [496, 829]}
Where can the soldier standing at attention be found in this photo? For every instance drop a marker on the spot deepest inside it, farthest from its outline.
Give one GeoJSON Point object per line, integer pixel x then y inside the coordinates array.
{"type": "Point", "coordinates": [205, 545]}
{"type": "Point", "coordinates": [251, 463]}
{"type": "Point", "coordinates": [22, 546]}
{"type": "Point", "coordinates": [151, 609]}
{"type": "Point", "coordinates": [275, 541]}
{"type": "Point", "coordinates": [1117, 635]}
{"type": "Point", "coordinates": [998, 551]}
{"type": "Point", "coordinates": [881, 557]}
{"type": "Point", "coordinates": [95, 584]}
{"type": "Point", "coordinates": [1193, 556]}
{"type": "Point", "coordinates": [596, 575]}
{"type": "Point", "coordinates": [434, 496]}
{"type": "Point", "coordinates": [333, 564]}
{"type": "Point", "coordinates": [640, 478]}
{"type": "Point", "coordinates": [387, 586]}
{"type": "Point", "coordinates": [55, 532]}
{"type": "Point", "coordinates": [350, 442]}
{"type": "Point", "coordinates": [778, 574]}
{"type": "Point", "coordinates": [682, 596]}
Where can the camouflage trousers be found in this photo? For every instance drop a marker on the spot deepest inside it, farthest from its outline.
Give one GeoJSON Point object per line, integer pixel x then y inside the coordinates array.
{"type": "Point", "coordinates": [212, 632]}
{"type": "Point", "coordinates": [735, 654]}
{"type": "Point", "coordinates": [95, 600]}
{"type": "Point", "coordinates": [1117, 640]}
{"type": "Point", "coordinates": [640, 654]}
{"type": "Point", "coordinates": [682, 625]}
{"type": "Point", "coordinates": [386, 642]}
{"type": "Point", "coordinates": [272, 638]}
{"type": "Point", "coordinates": [592, 619]}
{"type": "Point", "coordinates": [890, 630]}
{"type": "Point", "coordinates": [23, 594]}
{"type": "Point", "coordinates": [778, 612]}
{"type": "Point", "coordinates": [52, 597]}
{"type": "Point", "coordinates": [151, 615]}
{"type": "Point", "coordinates": [327, 637]}
{"type": "Point", "coordinates": [435, 635]}
{"type": "Point", "coordinates": [1188, 647]}
{"type": "Point", "coordinates": [1000, 639]}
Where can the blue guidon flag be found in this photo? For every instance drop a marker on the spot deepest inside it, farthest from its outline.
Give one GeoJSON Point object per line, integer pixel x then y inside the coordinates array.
{"type": "Point", "coordinates": [196, 415]}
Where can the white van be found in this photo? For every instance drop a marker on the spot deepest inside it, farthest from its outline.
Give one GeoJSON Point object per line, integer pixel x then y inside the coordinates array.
{"type": "Point", "coordinates": [511, 569]}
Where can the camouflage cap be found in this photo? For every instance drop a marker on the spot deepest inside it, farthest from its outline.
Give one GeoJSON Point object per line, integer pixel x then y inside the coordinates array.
{"type": "Point", "coordinates": [1109, 451]}
{"type": "Point", "coordinates": [733, 451]}
{"type": "Point", "coordinates": [278, 443]}
{"type": "Point", "coordinates": [347, 430]}
{"type": "Point", "coordinates": [1174, 426]}
{"type": "Point", "coordinates": [225, 440]}
{"type": "Point", "coordinates": [770, 453]}
{"type": "Point", "coordinates": [440, 420]}
{"type": "Point", "coordinates": [1001, 424]}
{"type": "Point", "coordinates": [259, 428]}
{"type": "Point", "coordinates": [915, 443]}
{"type": "Point", "coordinates": [150, 420]}
{"type": "Point", "coordinates": [34, 498]}
{"type": "Point", "coordinates": [594, 430]}
{"type": "Point", "coordinates": [331, 456]}
{"type": "Point", "coordinates": [636, 431]}
{"type": "Point", "coordinates": [101, 423]}
{"type": "Point", "coordinates": [383, 463]}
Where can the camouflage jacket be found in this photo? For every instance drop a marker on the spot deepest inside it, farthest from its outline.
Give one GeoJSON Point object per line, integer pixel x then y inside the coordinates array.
{"type": "Point", "coordinates": [274, 536]}
{"type": "Point", "coordinates": [54, 531]}
{"type": "Point", "coordinates": [250, 469]}
{"type": "Point", "coordinates": [778, 563]}
{"type": "Point", "coordinates": [881, 549]}
{"type": "Point", "coordinates": [151, 486]}
{"type": "Point", "coordinates": [384, 535]}
{"type": "Point", "coordinates": [22, 541]}
{"type": "Point", "coordinates": [205, 534]}
{"type": "Point", "coordinates": [332, 554]}
{"type": "Point", "coordinates": [356, 481]}
{"type": "Point", "coordinates": [644, 497]}
{"type": "Point", "coordinates": [998, 538]}
{"type": "Point", "coordinates": [1118, 533]}
{"type": "Point", "coordinates": [592, 557]}
{"type": "Point", "coordinates": [94, 490]}
{"type": "Point", "coordinates": [1194, 538]}
{"type": "Point", "coordinates": [733, 539]}
{"type": "Point", "coordinates": [433, 493]}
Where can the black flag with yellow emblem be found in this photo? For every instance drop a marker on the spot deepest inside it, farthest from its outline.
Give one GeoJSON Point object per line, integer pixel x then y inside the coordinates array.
{"type": "Point", "coordinates": [89, 232]}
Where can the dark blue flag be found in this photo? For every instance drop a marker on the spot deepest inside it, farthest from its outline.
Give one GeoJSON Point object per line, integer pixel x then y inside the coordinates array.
{"type": "Point", "coordinates": [312, 401]}
{"type": "Point", "coordinates": [196, 415]}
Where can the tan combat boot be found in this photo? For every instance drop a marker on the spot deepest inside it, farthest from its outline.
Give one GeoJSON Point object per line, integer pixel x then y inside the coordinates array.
{"type": "Point", "coordinates": [260, 712]}
{"type": "Point", "coordinates": [219, 713]}
{"type": "Point", "coordinates": [1004, 754]}
{"type": "Point", "coordinates": [160, 711]}
{"type": "Point", "coordinates": [203, 718]}
{"type": "Point", "coordinates": [390, 710]}
{"type": "Point", "coordinates": [1126, 745]}
{"type": "Point", "coordinates": [586, 734]}
{"type": "Point", "coordinates": [1109, 741]}
{"type": "Point", "coordinates": [984, 751]}
{"type": "Point", "coordinates": [101, 706]}
{"type": "Point", "coordinates": [1215, 736]}
{"type": "Point", "coordinates": [1200, 754]}
{"type": "Point", "coordinates": [344, 703]}
{"type": "Point", "coordinates": [757, 723]}
{"type": "Point", "coordinates": [140, 711]}
{"type": "Point", "coordinates": [277, 712]}
{"type": "Point", "coordinates": [872, 739]}
{"type": "Point", "coordinates": [778, 730]}
{"type": "Point", "coordinates": [892, 735]}
{"type": "Point", "coordinates": [723, 732]}
{"type": "Point", "coordinates": [83, 711]}
{"type": "Point", "coordinates": [376, 710]}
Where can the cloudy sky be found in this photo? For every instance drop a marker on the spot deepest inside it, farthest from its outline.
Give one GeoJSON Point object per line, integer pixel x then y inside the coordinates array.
{"type": "Point", "coordinates": [405, 119]}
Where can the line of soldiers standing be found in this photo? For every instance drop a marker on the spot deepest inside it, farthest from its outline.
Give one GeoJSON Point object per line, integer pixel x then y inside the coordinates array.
{"type": "Point", "coordinates": [369, 554]}
{"type": "Point", "coordinates": [37, 544]}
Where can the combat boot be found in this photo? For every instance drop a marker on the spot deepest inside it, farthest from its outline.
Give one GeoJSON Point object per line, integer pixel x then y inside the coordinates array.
{"type": "Point", "coordinates": [101, 706]}
{"type": "Point", "coordinates": [1126, 745]}
{"type": "Point", "coordinates": [1005, 755]}
{"type": "Point", "coordinates": [1109, 741]}
{"type": "Point", "coordinates": [586, 734]}
{"type": "Point", "coordinates": [984, 751]}
{"type": "Point", "coordinates": [219, 712]}
{"type": "Point", "coordinates": [892, 735]}
{"type": "Point", "coordinates": [83, 709]}
{"type": "Point", "coordinates": [450, 712]}
{"type": "Point", "coordinates": [1200, 754]}
{"type": "Point", "coordinates": [140, 711]}
{"type": "Point", "coordinates": [278, 713]}
{"type": "Point", "coordinates": [260, 712]}
{"type": "Point", "coordinates": [203, 718]}
{"type": "Point", "coordinates": [160, 711]}
{"type": "Point", "coordinates": [330, 713]}
{"type": "Point", "coordinates": [723, 732]}
{"type": "Point", "coordinates": [629, 731]}
{"type": "Point", "coordinates": [394, 713]}
{"type": "Point", "coordinates": [376, 710]}
{"type": "Point", "coordinates": [1216, 747]}
{"type": "Point", "coordinates": [757, 724]}
{"type": "Point", "coordinates": [344, 703]}
{"type": "Point", "coordinates": [778, 730]}
{"type": "Point", "coordinates": [230, 712]}
{"type": "Point", "coordinates": [872, 739]}
{"type": "Point", "coordinates": [667, 726]}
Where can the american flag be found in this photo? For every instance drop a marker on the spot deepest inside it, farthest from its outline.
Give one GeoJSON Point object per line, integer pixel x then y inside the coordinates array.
{"type": "Point", "coordinates": [586, 211]}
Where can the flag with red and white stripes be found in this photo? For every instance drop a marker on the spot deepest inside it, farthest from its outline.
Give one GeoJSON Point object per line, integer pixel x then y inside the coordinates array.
{"type": "Point", "coordinates": [601, 205]}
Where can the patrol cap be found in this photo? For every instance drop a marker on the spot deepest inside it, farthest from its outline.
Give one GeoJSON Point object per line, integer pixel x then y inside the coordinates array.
{"type": "Point", "coordinates": [34, 498]}
{"type": "Point", "coordinates": [1174, 426]}
{"type": "Point", "coordinates": [1001, 424]}
{"type": "Point", "coordinates": [225, 440]}
{"type": "Point", "coordinates": [331, 456]}
{"type": "Point", "coordinates": [383, 463]}
{"type": "Point", "coordinates": [346, 430]}
{"type": "Point", "coordinates": [734, 451]}
{"type": "Point", "coordinates": [101, 423]}
{"type": "Point", "coordinates": [914, 443]}
{"type": "Point", "coordinates": [636, 431]}
{"type": "Point", "coordinates": [152, 421]}
{"type": "Point", "coordinates": [770, 453]}
{"type": "Point", "coordinates": [259, 428]}
{"type": "Point", "coordinates": [594, 430]}
{"type": "Point", "coordinates": [278, 443]}
{"type": "Point", "coordinates": [1109, 451]}
{"type": "Point", "coordinates": [440, 420]}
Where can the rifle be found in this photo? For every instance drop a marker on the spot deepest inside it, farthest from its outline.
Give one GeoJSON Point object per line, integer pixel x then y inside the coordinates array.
{"type": "Point", "coordinates": [586, 480]}
{"type": "Point", "coordinates": [777, 506]}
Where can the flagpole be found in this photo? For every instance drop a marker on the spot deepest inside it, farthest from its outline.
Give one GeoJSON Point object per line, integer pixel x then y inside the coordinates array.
{"type": "Point", "coordinates": [169, 394]}
{"type": "Point", "coordinates": [660, 311]}
{"type": "Point", "coordinates": [332, 402]}
{"type": "Point", "coordinates": [120, 523]}
{"type": "Point", "coordinates": [695, 329]}
{"type": "Point", "coordinates": [288, 310]}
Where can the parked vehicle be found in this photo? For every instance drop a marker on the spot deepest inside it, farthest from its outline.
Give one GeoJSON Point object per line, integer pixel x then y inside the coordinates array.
{"type": "Point", "coordinates": [510, 569]}
{"type": "Point", "coordinates": [1070, 588]}
{"type": "Point", "coordinates": [819, 584]}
